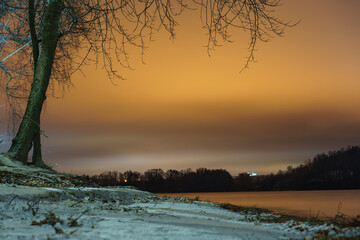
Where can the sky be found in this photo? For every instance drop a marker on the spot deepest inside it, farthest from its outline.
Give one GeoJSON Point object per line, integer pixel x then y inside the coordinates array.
{"type": "Point", "coordinates": [183, 109]}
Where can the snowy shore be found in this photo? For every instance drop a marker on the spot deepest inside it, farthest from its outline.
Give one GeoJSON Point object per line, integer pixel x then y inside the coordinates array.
{"type": "Point", "coordinates": [125, 213]}
{"type": "Point", "coordinates": [38, 203]}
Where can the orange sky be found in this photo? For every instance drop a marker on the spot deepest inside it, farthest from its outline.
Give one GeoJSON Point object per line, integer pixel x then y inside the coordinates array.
{"type": "Point", "coordinates": [183, 109]}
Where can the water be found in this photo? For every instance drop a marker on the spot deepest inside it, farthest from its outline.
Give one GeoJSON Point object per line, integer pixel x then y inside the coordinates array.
{"type": "Point", "coordinates": [321, 204]}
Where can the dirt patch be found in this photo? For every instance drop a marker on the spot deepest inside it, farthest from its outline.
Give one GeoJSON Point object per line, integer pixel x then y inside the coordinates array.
{"type": "Point", "coordinates": [13, 172]}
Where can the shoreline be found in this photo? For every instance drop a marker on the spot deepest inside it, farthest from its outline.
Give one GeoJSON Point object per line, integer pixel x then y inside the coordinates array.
{"type": "Point", "coordinates": [105, 213]}
{"type": "Point", "coordinates": [307, 204]}
{"type": "Point", "coordinates": [39, 204]}
{"type": "Point", "coordinates": [339, 220]}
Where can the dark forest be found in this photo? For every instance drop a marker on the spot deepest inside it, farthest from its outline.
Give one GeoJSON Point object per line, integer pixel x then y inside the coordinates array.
{"type": "Point", "coordinates": [334, 170]}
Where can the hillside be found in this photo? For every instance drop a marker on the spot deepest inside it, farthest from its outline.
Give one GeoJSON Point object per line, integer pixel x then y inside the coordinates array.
{"type": "Point", "coordinates": [334, 170]}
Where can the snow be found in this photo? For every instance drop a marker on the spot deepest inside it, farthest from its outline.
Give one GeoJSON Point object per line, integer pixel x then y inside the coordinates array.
{"type": "Point", "coordinates": [127, 213]}
{"type": "Point", "coordinates": [5, 140]}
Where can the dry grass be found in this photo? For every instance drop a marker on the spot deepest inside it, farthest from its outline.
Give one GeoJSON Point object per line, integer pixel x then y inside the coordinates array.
{"type": "Point", "coordinates": [339, 220]}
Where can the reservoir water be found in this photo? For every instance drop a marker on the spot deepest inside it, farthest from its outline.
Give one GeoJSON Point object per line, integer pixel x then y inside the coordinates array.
{"type": "Point", "coordinates": [321, 204]}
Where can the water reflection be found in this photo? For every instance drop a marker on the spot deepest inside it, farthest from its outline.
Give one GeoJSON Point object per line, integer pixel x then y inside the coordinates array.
{"type": "Point", "coordinates": [322, 204]}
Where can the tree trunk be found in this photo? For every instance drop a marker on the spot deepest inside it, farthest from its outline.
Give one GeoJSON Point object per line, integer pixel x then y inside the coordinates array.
{"type": "Point", "coordinates": [29, 130]}
{"type": "Point", "coordinates": [37, 156]}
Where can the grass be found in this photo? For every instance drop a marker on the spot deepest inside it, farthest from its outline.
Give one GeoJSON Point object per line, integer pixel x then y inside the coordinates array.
{"type": "Point", "coordinates": [339, 220]}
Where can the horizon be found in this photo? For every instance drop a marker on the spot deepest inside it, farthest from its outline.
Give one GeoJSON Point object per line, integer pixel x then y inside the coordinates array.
{"type": "Point", "coordinates": [251, 172]}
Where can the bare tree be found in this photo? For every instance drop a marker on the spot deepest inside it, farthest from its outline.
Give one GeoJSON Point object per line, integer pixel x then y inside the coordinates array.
{"type": "Point", "coordinates": [44, 42]}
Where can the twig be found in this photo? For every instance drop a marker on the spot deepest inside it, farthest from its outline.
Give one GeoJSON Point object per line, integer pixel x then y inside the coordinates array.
{"type": "Point", "coordinates": [74, 223]}
{"type": "Point", "coordinates": [13, 53]}
{"type": "Point", "coordinates": [34, 207]}
{"type": "Point", "coordinates": [12, 199]}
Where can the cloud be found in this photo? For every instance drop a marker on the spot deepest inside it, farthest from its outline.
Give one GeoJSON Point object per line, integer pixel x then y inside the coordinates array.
{"type": "Point", "coordinates": [225, 139]}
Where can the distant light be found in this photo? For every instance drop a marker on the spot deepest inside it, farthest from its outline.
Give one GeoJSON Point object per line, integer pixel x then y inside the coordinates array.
{"type": "Point", "coordinates": [125, 180]}
{"type": "Point", "coordinates": [252, 174]}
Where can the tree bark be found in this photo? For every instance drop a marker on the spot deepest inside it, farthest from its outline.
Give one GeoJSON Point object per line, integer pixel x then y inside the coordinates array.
{"type": "Point", "coordinates": [37, 156]}
{"type": "Point", "coordinates": [29, 130]}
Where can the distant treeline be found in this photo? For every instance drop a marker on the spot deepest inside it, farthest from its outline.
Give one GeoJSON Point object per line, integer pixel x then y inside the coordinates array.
{"type": "Point", "coordinates": [335, 170]}
{"type": "Point", "coordinates": [156, 180]}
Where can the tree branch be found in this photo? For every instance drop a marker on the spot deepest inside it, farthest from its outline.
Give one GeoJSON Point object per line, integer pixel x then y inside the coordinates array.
{"type": "Point", "coordinates": [13, 53]}
{"type": "Point", "coordinates": [34, 38]}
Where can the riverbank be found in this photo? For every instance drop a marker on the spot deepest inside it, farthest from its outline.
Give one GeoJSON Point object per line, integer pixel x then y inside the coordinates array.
{"type": "Point", "coordinates": [52, 206]}
{"type": "Point", "coordinates": [323, 204]}
{"type": "Point", "coordinates": [126, 213]}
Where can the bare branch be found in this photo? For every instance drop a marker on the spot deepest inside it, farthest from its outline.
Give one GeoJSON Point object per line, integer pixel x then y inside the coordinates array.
{"type": "Point", "coordinates": [15, 52]}
{"type": "Point", "coordinates": [104, 32]}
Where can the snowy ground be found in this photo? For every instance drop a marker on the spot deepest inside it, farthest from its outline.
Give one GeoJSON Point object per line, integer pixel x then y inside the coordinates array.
{"type": "Point", "coordinates": [126, 213]}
